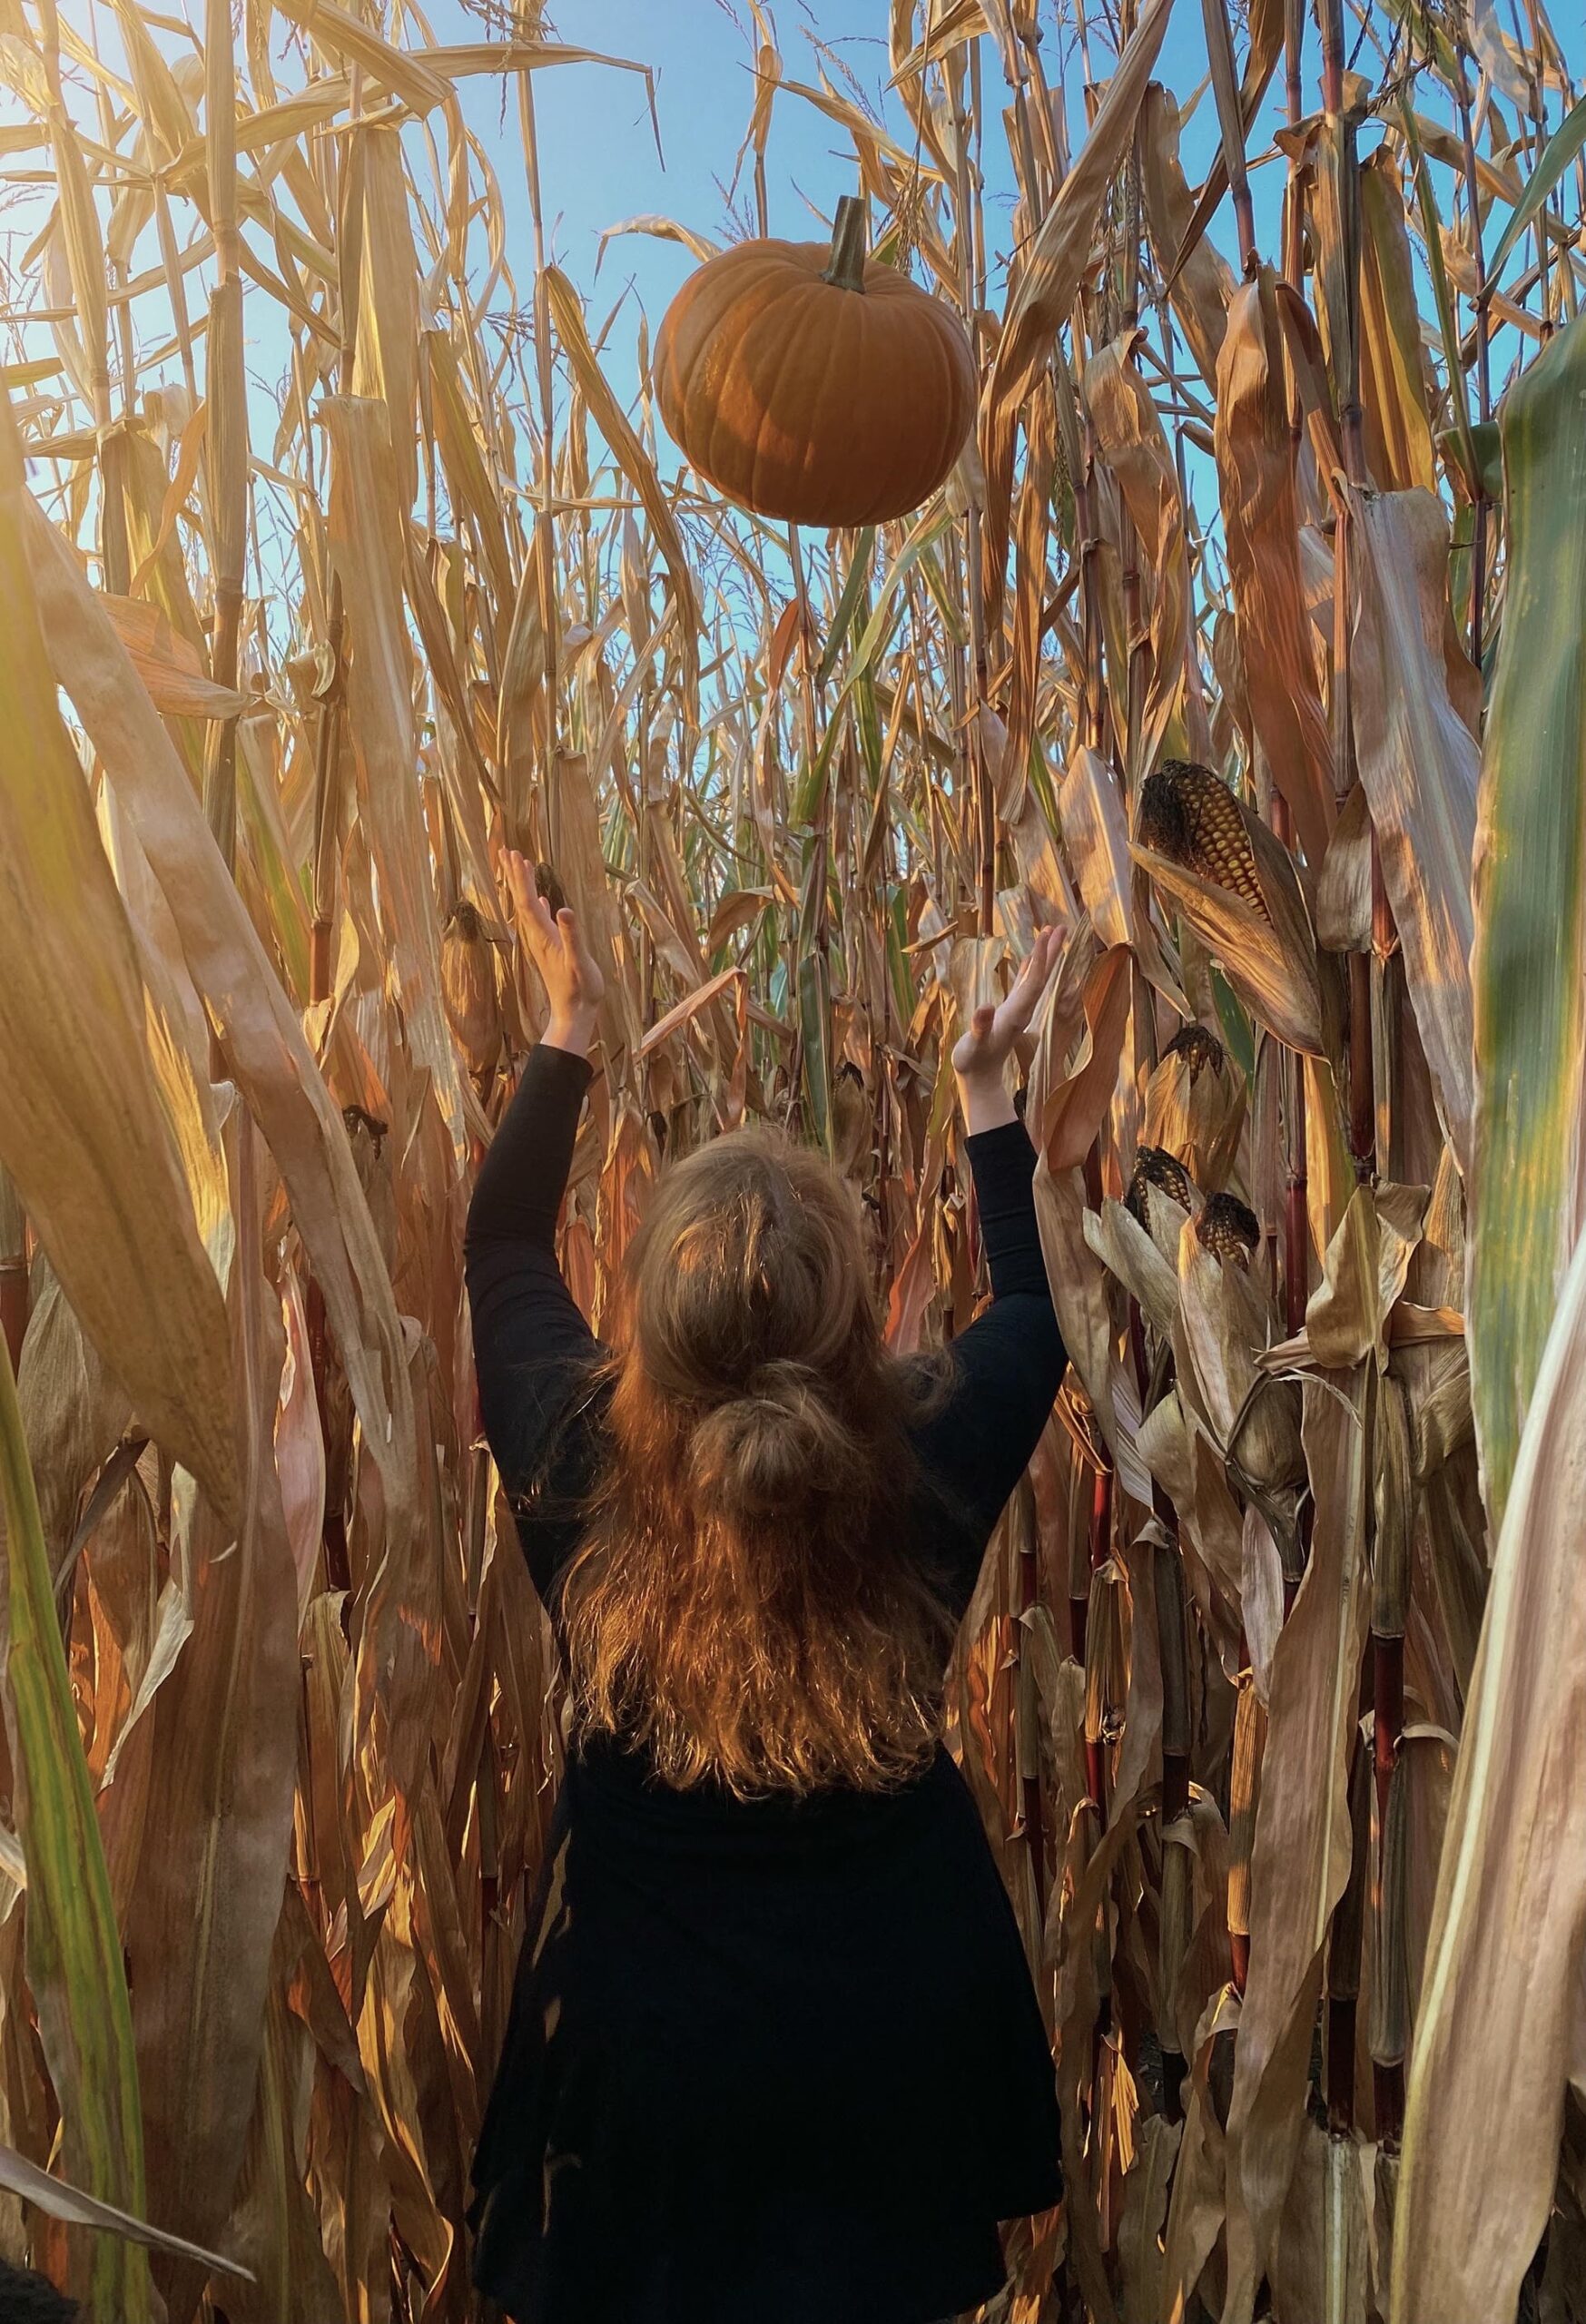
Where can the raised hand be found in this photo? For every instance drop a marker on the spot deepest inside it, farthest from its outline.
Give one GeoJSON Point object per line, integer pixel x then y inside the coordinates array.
{"type": "Point", "coordinates": [981, 1052]}
{"type": "Point", "coordinates": [573, 985]}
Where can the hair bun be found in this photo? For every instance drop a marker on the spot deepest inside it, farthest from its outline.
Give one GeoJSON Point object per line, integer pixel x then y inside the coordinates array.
{"type": "Point", "coordinates": [778, 1444]}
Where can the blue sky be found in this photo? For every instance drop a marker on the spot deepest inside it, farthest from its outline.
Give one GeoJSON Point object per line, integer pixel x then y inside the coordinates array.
{"type": "Point", "coordinates": [599, 161]}
{"type": "Point", "coordinates": [599, 158]}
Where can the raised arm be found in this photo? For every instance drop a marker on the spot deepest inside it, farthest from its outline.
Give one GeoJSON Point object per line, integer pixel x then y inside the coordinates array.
{"type": "Point", "coordinates": [532, 1347]}
{"type": "Point", "coordinates": [1008, 1365]}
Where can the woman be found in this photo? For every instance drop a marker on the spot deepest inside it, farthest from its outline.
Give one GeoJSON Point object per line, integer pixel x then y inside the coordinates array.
{"type": "Point", "coordinates": [774, 2056]}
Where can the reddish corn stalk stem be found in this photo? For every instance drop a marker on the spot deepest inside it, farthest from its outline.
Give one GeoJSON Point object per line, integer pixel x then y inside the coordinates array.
{"type": "Point", "coordinates": [1362, 1087]}
{"type": "Point", "coordinates": [14, 1306]}
{"type": "Point", "coordinates": [1387, 1658]}
{"type": "Point", "coordinates": [327, 800]}
{"type": "Point", "coordinates": [1100, 1538]}
{"type": "Point", "coordinates": [1296, 1230]}
{"type": "Point", "coordinates": [1295, 1233]}
{"type": "Point", "coordinates": [13, 1287]}
{"type": "Point", "coordinates": [1341, 2017]}
{"type": "Point", "coordinates": [309, 1849]}
{"type": "Point", "coordinates": [1294, 35]}
{"type": "Point", "coordinates": [1079, 1625]}
{"type": "Point", "coordinates": [338, 1572]}
{"type": "Point", "coordinates": [319, 960]}
{"type": "Point", "coordinates": [1343, 1953]}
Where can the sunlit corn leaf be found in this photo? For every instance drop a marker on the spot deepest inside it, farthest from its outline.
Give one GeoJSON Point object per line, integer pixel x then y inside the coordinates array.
{"type": "Point", "coordinates": [93, 1152]}
{"type": "Point", "coordinates": [199, 1936]}
{"type": "Point", "coordinates": [629, 454]}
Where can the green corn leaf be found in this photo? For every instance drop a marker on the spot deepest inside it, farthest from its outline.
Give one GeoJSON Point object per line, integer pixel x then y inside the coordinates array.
{"type": "Point", "coordinates": [73, 1945]}
{"type": "Point", "coordinates": [815, 1024]}
{"type": "Point", "coordinates": [1531, 917]}
{"type": "Point", "coordinates": [848, 603]}
{"type": "Point", "coordinates": [1556, 157]}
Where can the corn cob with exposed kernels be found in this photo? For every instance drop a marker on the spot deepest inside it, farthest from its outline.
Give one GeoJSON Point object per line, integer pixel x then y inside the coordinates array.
{"type": "Point", "coordinates": [1188, 815]}
{"type": "Point", "coordinates": [1200, 1046]}
{"type": "Point", "coordinates": [1228, 1229]}
{"type": "Point", "coordinates": [1155, 1166]}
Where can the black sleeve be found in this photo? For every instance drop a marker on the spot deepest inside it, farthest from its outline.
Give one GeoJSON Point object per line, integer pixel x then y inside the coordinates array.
{"type": "Point", "coordinates": [1006, 1369]}
{"type": "Point", "coordinates": [533, 1351]}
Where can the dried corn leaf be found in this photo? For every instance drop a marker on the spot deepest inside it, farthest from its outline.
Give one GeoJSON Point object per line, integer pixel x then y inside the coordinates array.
{"type": "Point", "coordinates": [366, 542]}
{"type": "Point", "coordinates": [264, 1042]}
{"type": "Point", "coordinates": [1131, 440]}
{"type": "Point", "coordinates": [220, 1818]}
{"type": "Point", "coordinates": [1303, 1837]}
{"type": "Point", "coordinates": [1202, 282]}
{"type": "Point", "coordinates": [1500, 1985]}
{"type": "Point", "coordinates": [93, 1152]}
{"type": "Point", "coordinates": [1270, 962]}
{"type": "Point", "coordinates": [1261, 518]}
{"type": "Point", "coordinates": [1418, 769]}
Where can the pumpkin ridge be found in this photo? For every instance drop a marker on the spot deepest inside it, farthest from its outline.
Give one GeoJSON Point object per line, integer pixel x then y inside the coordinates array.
{"type": "Point", "coordinates": [732, 383]}
{"type": "Point", "coordinates": [838, 368]}
{"type": "Point", "coordinates": [943, 354]}
{"type": "Point", "coordinates": [792, 345]}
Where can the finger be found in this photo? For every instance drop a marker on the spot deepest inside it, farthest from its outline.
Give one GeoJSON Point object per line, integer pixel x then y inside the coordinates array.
{"type": "Point", "coordinates": [1032, 976]}
{"type": "Point", "coordinates": [537, 928]}
{"type": "Point", "coordinates": [567, 936]}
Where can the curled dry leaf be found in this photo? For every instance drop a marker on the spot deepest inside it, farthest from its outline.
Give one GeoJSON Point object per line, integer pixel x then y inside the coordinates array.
{"type": "Point", "coordinates": [93, 1152]}
{"type": "Point", "coordinates": [1195, 1107]}
{"type": "Point", "coordinates": [1501, 1987]}
{"type": "Point", "coordinates": [1362, 1276]}
{"type": "Point", "coordinates": [1256, 478]}
{"type": "Point", "coordinates": [1124, 1246]}
{"type": "Point", "coordinates": [1303, 1834]}
{"type": "Point", "coordinates": [1225, 1322]}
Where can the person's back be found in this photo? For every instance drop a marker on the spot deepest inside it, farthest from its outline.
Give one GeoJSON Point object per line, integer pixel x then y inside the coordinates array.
{"type": "Point", "coordinates": [773, 2052]}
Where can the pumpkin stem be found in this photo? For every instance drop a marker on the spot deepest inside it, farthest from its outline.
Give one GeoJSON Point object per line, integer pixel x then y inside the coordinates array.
{"type": "Point", "coordinates": [846, 269]}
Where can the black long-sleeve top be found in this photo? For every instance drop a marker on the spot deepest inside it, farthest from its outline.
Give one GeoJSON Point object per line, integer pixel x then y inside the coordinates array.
{"type": "Point", "coordinates": [776, 2060]}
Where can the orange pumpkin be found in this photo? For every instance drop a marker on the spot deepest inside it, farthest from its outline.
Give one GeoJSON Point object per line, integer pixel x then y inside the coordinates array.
{"type": "Point", "coordinates": [813, 384]}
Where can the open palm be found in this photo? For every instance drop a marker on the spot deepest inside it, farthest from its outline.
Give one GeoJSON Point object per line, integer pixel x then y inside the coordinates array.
{"type": "Point", "coordinates": [574, 984]}
{"type": "Point", "coordinates": [981, 1053]}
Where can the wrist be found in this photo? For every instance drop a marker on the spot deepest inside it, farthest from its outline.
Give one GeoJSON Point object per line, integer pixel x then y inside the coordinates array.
{"type": "Point", "coordinates": [986, 1100]}
{"type": "Point", "coordinates": [572, 1029]}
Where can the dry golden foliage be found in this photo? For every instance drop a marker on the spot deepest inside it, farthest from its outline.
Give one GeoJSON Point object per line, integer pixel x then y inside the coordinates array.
{"type": "Point", "coordinates": [284, 680]}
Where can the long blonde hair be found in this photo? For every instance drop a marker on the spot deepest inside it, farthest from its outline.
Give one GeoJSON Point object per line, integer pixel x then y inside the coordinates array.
{"type": "Point", "coordinates": [744, 1604]}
